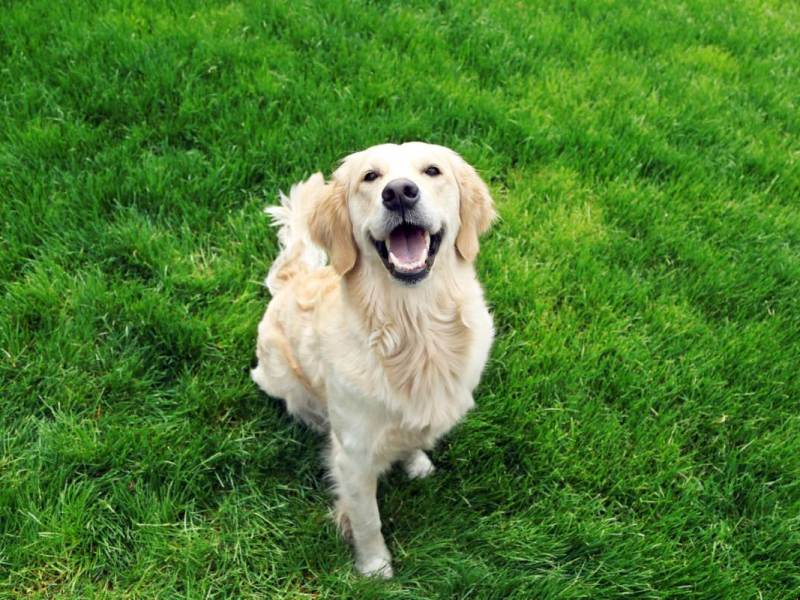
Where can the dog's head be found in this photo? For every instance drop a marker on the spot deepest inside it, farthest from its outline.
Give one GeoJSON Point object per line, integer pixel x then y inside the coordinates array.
{"type": "Point", "coordinates": [401, 206]}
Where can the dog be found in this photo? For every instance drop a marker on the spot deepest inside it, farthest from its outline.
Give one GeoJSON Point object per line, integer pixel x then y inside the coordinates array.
{"type": "Point", "coordinates": [378, 332]}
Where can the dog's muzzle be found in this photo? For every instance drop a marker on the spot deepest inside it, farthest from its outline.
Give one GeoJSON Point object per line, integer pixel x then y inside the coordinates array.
{"type": "Point", "coordinates": [409, 250]}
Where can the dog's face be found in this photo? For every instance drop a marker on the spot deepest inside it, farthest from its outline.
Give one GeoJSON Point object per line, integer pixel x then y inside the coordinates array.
{"type": "Point", "coordinates": [402, 200]}
{"type": "Point", "coordinates": [400, 206]}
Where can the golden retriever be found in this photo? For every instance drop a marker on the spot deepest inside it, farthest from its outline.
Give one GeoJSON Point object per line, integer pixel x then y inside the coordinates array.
{"type": "Point", "coordinates": [377, 332]}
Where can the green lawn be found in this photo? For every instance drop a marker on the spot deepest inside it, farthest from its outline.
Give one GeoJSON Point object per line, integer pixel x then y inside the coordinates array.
{"type": "Point", "coordinates": [638, 425]}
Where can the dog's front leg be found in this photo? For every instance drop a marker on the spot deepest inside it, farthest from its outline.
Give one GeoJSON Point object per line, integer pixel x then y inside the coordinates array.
{"type": "Point", "coordinates": [356, 478]}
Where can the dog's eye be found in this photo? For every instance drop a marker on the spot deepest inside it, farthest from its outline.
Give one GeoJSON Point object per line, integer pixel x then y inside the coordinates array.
{"type": "Point", "coordinates": [432, 171]}
{"type": "Point", "coordinates": [371, 176]}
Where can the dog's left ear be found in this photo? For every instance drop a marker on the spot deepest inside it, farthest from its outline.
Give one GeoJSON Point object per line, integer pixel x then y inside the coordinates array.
{"type": "Point", "coordinates": [476, 209]}
{"type": "Point", "coordinates": [330, 228]}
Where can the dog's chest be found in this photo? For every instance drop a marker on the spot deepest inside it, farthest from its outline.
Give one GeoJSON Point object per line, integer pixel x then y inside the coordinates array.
{"type": "Point", "coordinates": [423, 354]}
{"type": "Point", "coordinates": [417, 361]}
{"type": "Point", "coordinates": [422, 366]}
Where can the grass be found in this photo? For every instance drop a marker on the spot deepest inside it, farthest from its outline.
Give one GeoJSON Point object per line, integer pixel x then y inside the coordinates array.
{"type": "Point", "coordinates": [637, 430]}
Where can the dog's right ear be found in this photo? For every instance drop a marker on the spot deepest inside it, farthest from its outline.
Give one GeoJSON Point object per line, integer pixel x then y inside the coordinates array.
{"type": "Point", "coordinates": [330, 228]}
{"type": "Point", "coordinates": [476, 209]}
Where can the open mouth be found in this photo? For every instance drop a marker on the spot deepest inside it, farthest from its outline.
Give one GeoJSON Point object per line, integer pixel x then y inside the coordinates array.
{"type": "Point", "coordinates": [409, 251]}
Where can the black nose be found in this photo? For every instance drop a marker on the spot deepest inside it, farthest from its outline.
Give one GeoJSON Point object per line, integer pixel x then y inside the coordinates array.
{"type": "Point", "coordinates": [400, 194]}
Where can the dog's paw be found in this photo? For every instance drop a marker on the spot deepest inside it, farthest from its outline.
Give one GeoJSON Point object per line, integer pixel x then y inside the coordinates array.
{"type": "Point", "coordinates": [376, 566]}
{"type": "Point", "coordinates": [418, 465]}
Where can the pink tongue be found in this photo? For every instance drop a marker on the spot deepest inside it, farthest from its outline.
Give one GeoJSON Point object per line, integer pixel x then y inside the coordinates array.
{"type": "Point", "coordinates": [407, 243]}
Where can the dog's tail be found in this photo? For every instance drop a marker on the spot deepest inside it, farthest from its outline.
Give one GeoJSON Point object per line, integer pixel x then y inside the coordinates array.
{"type": "Point", "coordinates": [298, 254]}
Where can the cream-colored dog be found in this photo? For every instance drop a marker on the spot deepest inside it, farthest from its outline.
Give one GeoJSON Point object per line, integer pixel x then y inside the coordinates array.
{"type": "Point", "coordinates": [382, 348]}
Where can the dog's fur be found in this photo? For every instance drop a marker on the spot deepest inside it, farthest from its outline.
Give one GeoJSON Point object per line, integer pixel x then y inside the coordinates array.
{"type": "Point", "coordinates": [384, 366]}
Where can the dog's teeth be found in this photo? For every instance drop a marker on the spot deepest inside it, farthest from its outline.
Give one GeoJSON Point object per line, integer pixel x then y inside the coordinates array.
{"type": "Point", "coordinates": [398, 265]}
{"type": "Point", "coordinates": [407, 267]}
